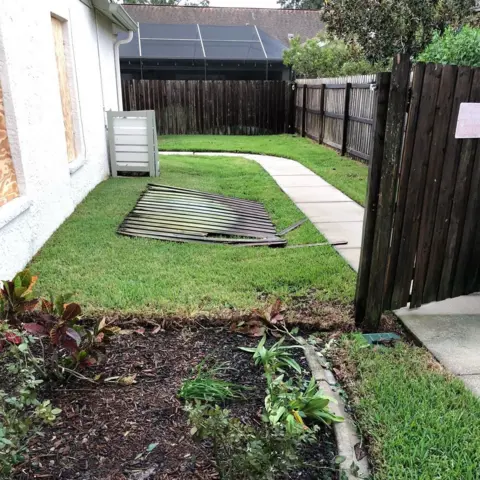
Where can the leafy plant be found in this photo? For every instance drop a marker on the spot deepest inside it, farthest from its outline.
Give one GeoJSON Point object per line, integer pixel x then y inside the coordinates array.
{"type": "Point", "coordinates": [454, 47]}
{"type": "Point", "coordinates": [274, 358]}
{"type": "Point", "coordinates": [288, 402]}
{"type": "Point", "coordinates": [70, 345]}
{"type": "Point", "coordinates": [242, 452]}
{"type": "Point", "coordinates": [206, 386]}
{"type": "Point", "coordinates": [16, 295]}
{"type": "Point", "coordinates": [293, 405]}
{"type": "Point", "coordinates": [66, 344]}
{"type": "Point", "coordinates": [21, 412]}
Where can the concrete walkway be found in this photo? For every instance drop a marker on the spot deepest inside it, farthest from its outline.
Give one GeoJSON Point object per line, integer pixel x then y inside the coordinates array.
{"type": "Point", "coordinates": [449, 329]}
{"type": "Point", "coordinates": [334, 214]}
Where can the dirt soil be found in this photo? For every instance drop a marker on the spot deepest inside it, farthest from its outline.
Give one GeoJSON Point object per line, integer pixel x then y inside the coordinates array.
{"type": "Point", "coordinates": [105, 430]}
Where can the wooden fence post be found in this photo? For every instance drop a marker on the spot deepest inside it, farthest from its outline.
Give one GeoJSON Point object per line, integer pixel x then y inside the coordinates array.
{"type": "Point", "coordinates": [187, 107]}
{"type": "Point", "coordinates": [322, 111]}
{"type": "Point", "coordinates": [343, 150]}
{"type": "Point", "coordinates": [291, 115]}
{"type": "Point", "coordinates": [304, 108]}
{"type": "Point", "coordinates": [397, 104]}
{"type": "Point", "coordinates": [374, 171]}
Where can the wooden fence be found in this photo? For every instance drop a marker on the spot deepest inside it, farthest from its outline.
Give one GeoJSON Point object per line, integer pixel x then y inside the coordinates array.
{"type": "Point", "coordinates": [421, 239]}
{"type": "Point", "coordinates": [236, 107]}
{"type": "Point", "coordinates": [338, 112]}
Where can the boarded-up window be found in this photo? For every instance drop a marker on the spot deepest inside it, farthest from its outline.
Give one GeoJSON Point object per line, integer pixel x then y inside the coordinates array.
{"type": "Point", "coordinates": [8, 179]}
{"type": "Point", "coordinates": [66, 98]}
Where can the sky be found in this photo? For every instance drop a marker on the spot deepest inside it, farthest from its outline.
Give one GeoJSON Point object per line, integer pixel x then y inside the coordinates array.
{"type": "Point", "coordinates": [244, 3]}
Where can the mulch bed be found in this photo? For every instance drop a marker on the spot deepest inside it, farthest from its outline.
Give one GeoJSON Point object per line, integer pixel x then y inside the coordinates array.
{"type": "Point", "coordinates": [104, 431]}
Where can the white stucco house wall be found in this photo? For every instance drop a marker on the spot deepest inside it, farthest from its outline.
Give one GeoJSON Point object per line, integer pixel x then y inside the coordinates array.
{"type": "Point", "coordinates": [46, 182]}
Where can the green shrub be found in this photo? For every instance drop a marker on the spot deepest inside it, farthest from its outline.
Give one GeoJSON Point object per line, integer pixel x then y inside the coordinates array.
{"type": "Point", "coordinates": [22, 414]}
{"type": "Point", "coordinates": [455, 47]}
{"type": "Point", "coordinates": [325, 57]}
{"type": "Point", "coordinates": [245, 453]}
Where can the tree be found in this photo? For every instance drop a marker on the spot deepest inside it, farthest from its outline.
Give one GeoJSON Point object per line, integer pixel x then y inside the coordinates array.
{"type": "Point", "coordinates": [301, 4]}
{"type": "Point", "coordinates": [384, 28]}
{"type": "Point", "coordinates": [324, 57]}
{"type": "Point", "coordinates": [189, 3]}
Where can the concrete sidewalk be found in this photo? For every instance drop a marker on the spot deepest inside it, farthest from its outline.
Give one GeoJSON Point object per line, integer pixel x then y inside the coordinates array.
{"type": "Point", "coordinates": [449, 329]}
{"type": "Point", "coordinates": [334, 214]}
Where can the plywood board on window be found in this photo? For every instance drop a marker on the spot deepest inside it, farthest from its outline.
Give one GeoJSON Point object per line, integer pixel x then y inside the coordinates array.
{"type": "Point", "coordinates": [8, 179]}
{"type": "Point", "coordinates": [57, 27]}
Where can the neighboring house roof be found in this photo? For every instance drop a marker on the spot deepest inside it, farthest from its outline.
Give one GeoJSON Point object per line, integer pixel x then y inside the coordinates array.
{"type": "Point", "coordinates": [277, 23]}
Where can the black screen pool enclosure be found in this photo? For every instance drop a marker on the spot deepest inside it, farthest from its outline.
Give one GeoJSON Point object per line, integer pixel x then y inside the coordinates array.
{"type": "Point", "coordinates": [202, 43]}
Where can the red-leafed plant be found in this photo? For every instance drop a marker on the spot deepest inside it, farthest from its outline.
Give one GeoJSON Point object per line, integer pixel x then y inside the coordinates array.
{"type": "Point", "coordinates": [65, 343]}
{"type": "Point", "coordinates": [16, 295]}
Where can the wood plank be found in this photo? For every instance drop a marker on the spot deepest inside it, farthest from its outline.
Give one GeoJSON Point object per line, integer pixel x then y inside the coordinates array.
{"type": "Point", "coordinates": [390, 163]}
{"type": "Point", "coordinates": [473, 274]}
{"type": "Point", "coordinates": [374, 175]}
{"type": "Point", "coordinates": [458, 212]}
{"type": "Point", "coordinates": [446, 192]}
{"type": "Point", "coordinates": [304, 108]}
{"type": "Point", "coordinates": [202, 106]}
{"type": "Point", "coordinates": [322, 113]}
{"type": "Point", "coordinates": [416, 185]}
{"type": "Point", "coordinates": [66, 99]}
{"type": "Point", "coordinates": [442, 115]}
{"type": "Point", "coordinates": [468, 256]}
{"type": "Point", "coordinates": [402, 187]}
{"type": "Point", "coordinates": [346, 105]}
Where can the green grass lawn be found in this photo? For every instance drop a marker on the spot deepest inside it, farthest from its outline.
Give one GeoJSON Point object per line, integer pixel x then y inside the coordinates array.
{"type": "Point", "coordinates": [347, 175]}
{"type": "Point", "coordinates": [421, 424]}
{"type": "Point", "coordinates": [106, 271]}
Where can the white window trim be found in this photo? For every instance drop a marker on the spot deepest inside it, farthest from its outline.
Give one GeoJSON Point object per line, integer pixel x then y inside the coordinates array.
{"type": "Point", "coordinates": [12, 209]}
{"type": "Point", "coordinates": [78, 163]}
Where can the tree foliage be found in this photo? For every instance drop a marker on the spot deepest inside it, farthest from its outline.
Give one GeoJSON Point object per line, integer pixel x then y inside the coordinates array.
{"type": "Point", "coordinates": [323, 57]}
{"type": "Point", "coordinates": [301, 4]}
{"type": "Point", "coordinates": [385, 28]}
{"type": "Point", "coordinates": [455, 47]}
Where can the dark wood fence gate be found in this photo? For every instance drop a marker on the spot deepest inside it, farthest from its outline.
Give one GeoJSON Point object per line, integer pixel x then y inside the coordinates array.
{"type": "Point", "coordinates": [422, 221]}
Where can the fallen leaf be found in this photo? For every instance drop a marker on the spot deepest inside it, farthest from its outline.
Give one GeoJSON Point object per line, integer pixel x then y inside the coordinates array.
{"type": "Point", "coordinates": [11, 337]}
{"type": "Point", "coordinates": [125, 332]}
{"type": "Point", "coordinates": [128, 380]}
{"type": "Point", "coordinates": [359, 451]}
{"type": "Point", "coordinates": [34, 329]}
